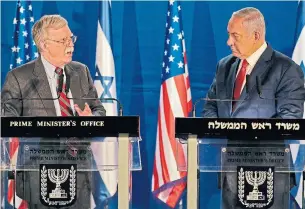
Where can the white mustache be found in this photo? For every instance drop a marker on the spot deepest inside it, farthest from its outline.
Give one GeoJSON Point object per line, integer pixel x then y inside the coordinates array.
{"type": "Point", "coordinates": [69, 49]}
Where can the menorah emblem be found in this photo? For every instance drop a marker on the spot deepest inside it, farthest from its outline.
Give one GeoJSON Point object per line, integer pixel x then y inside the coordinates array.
{"type": "Point", "coordinates": [255, 185]}
{"type": "Point", "coordinates": [61, 176]}
{"type": "Point", "coordinates": [58, 177]}
{"type": "Point", "coordinates": [255, 178]}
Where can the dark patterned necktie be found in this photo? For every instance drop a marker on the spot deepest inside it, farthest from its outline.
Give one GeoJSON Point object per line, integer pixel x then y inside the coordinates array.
{"type": "Point", "coordinates": [65, 109]}
{"type": "Point", "coordinates": [64, 102]}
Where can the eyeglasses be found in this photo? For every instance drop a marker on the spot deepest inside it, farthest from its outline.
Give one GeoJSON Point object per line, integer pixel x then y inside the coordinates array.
{"type": "Point", "coordinates": [66, 41]}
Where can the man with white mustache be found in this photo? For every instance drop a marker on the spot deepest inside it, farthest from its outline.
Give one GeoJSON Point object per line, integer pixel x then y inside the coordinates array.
{"type": "Point", "coordinates": [55, 43]}
{"type": "Point", "coordinates": [28, 91]}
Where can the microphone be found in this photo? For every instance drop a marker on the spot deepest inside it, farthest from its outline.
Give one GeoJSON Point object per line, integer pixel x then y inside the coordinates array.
{"type": "Point", "coordinates": [221, 100]}
{"type": "Point", "coordinates": [4, 105]}
{"type": "Point", "coordinates": [258, 86]}
{"type": "Point", "coordinates": [195, 104]}
{"type": "Point", "coordinates": [67, 89]}
{"type": "Point", "coordinates": [118, 102]}
{"type": "Point", "coordinates": [212, 100]}
{"type": "Point", "coordinates": [247, 83]}
{"type": "Point", "coordinates": [60, 84]}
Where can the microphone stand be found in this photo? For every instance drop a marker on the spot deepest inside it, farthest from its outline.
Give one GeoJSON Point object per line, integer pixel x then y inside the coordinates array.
{"type": "Point", "coordinates": [67, 89]}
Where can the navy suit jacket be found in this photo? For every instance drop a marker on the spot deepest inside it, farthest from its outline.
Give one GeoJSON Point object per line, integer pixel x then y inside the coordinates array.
{"type": "Point", "coordinates": [282, 96]}
{"type": "Point", "coordinates": [282, 89]}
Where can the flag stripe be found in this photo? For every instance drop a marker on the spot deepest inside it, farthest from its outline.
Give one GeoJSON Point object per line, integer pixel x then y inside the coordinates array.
{"type": "Point", "coordinates": [169, 118]}
{"type": "Point", "coordinates": [167, 142]}
{"type": "Point", "coordinates": [300, 19]}
{"type": "Point", "coordinates": [158, 159]}
{"type": "Point", "coordinates": [187, 83]}
{"type": "Point", "coordinates": [185, 58]}
{"type": "Point", "coordinates": [298, 56]}
{"type": "Point", "coordinates": [174, 102]}
{"type": "Point", "coordinates": [165, 173]}
{"type": "Point", "coordinates": [10, 194]}
{"type": "Point", "coordinates": [155, 177]}
{"type": "Point", "coordinates": [175, 194]}
{"type": "Point", "coordinates": [182, 91]}
{"type": "Point", "coordinates": [23, 205]}
{"type": "Point", "coordinates": [13, 150]}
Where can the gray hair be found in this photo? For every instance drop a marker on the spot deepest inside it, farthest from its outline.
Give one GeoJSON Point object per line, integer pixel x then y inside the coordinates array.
{"type": "Point", "coordinates": [254, 20]}
{"type": "Point", "coordinates": [39, 30]}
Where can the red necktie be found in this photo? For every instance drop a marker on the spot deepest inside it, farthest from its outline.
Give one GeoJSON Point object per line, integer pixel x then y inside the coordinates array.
{"type": "Point", "coordinates": [65, 109]}
{"type": "Point", "coordinates": [64, 102]}
{"type": "Point", "coordinates": [239, 81]}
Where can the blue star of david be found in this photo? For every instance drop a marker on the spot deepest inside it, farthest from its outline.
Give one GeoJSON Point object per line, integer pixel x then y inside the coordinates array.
{"type": "Point", "coordinates": [106, 82]}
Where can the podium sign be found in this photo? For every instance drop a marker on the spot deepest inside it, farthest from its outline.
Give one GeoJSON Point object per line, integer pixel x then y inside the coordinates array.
{"type": "Point", "coordinates": [59, 161]}
{"type": "Point", "coordinates": [250, 161]}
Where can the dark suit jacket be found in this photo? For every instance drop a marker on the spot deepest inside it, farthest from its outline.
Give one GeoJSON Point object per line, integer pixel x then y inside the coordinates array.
{"type": "Point", "coordinates": [282, 87]}
{"type": "Point", "coordinates": [282, 96]}
{"type": "Point", "coordinates": [30, 81]}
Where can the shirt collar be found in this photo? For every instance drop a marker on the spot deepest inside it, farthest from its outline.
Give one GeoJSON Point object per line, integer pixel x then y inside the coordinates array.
{"type": "Point", "coordinates": [252, 60]}
{"type": "Point", "coordinates": [49, 68]}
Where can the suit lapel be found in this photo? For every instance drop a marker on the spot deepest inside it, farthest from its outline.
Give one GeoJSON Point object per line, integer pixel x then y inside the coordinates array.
{"type": "Point", "coordinates": [260, 70]}
{"type": "Point", "coordinates": [42, 86]}
{"type": "Point", "coordinates": [230, 83]}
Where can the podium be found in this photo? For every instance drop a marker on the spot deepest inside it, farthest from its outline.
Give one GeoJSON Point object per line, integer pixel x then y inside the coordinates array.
{"type": "Point", "coordinates": [256, 161]}
{"type": "Point", "coordinates": [58, 162]}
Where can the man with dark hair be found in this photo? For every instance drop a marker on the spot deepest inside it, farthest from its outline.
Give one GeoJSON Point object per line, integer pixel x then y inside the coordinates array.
{"type": "Point", "coordinates": [274, 89]}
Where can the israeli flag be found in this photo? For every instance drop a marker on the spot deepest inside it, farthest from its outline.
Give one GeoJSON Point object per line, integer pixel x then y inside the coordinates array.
{"type": "Point", "coordinates": [105, 153]}
{"type": "Point", "coordinates": [299, 51]}
{"type": "Point", "coordinates": [298, 56]}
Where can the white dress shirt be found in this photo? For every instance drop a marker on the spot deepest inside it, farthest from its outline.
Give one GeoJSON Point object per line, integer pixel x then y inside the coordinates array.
{"type": "Point", "coordinates": [52, 78]}
{"type": "Point", "coordinates": [252, 60]}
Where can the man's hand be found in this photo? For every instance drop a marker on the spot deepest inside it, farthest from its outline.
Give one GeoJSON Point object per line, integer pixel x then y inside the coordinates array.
{"type": "Point", "coordinates": [85, 112]}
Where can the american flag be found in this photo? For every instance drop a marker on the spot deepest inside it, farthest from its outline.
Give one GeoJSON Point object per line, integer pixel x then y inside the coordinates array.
{"type": "Point", "coordinates": [298, 148]}
{"type": "Point", "coordinates": [23, 51]}
{"type": "Point", "coordinates": [168, 183]}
